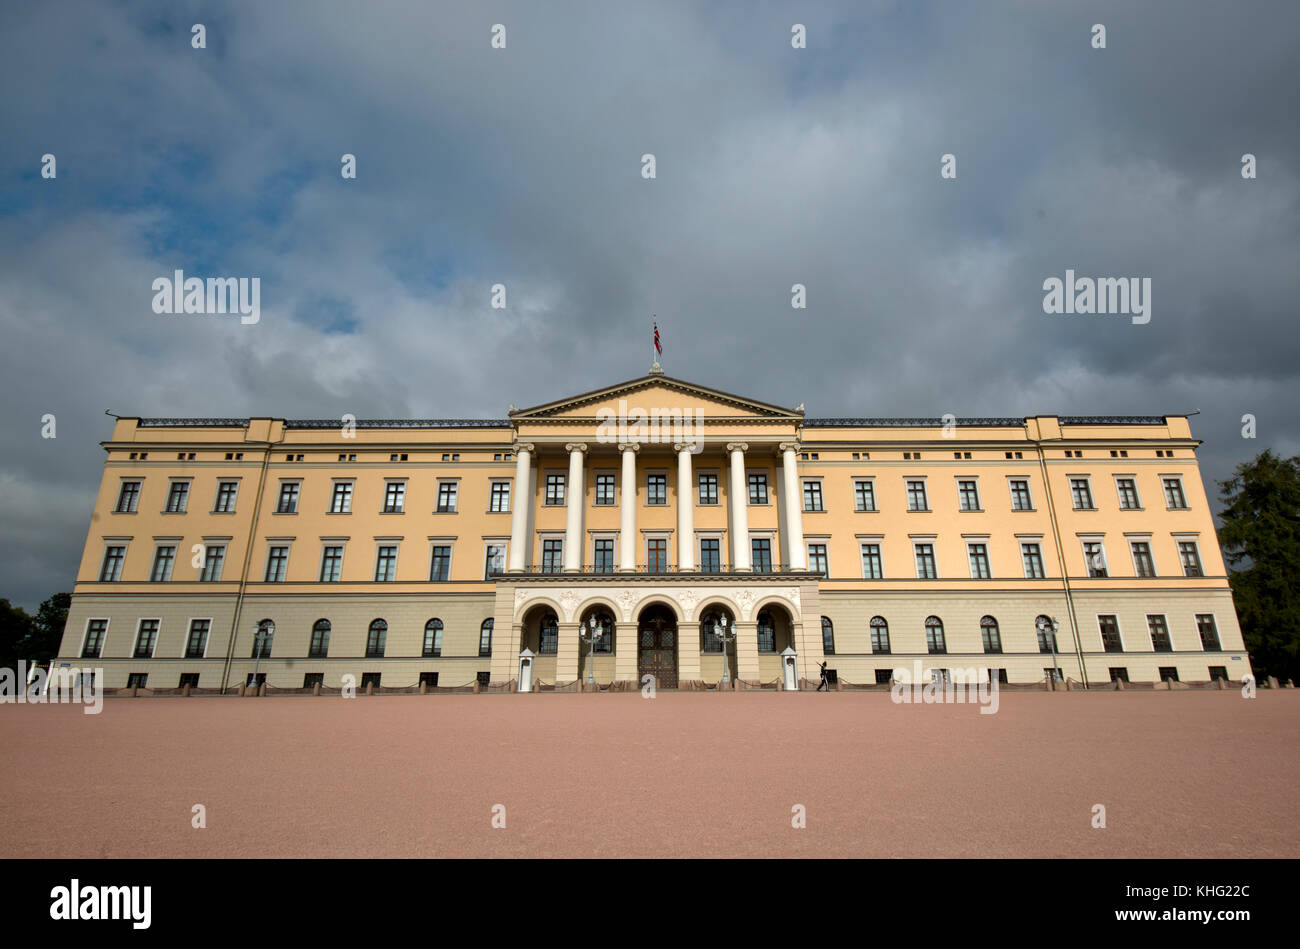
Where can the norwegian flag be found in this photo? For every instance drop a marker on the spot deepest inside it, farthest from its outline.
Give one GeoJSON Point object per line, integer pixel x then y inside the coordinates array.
{"type": "Point", "coordinates": [658, 348]}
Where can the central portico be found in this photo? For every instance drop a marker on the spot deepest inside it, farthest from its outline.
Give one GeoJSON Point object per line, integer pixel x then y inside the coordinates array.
{"type": "Point", "coordinates": [657, 506]}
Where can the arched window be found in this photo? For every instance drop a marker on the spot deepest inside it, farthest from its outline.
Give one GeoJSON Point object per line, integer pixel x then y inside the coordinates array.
{"type": "Point", "coordinates": [1046, 638]}
{"type": "Point", "coordinates": [828, 637]}
{"type": "Point", "coordinates": [550, 636]}
{"type": "Point", "coordinates": [934, 640]}
{"type": "Point", "coordinates": [485, 638]}
{"type": "Point", "coordinates": [989, 632]}
{"type": "Point", "coordinates": [433, 638]}
{"type": "Point", "coordinates": [879, 635]}
{"type": "Point", "coordinates": [709, 641]}
{"type": "Point", "coordinates": [375, 641]}
{"type": "Point", "coordinates": [262, 639]}
{"type": "Point", "coordinates": [766, 633]}
{"type": "Point", "coordinates": [320, 640]}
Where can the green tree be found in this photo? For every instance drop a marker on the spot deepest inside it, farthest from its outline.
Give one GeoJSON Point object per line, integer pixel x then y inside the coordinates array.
{"type": "Point", "coordinates": [15, 629]}
{"type": "Point", "coordinates": [42, 643]}
{"type": "Point", "coordinates": [1260, 538]}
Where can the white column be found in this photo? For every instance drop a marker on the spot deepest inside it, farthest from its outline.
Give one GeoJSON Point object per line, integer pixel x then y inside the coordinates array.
{"type": "Point", "coordinates": [792, 495]}
{"type": "Point", "coordinates": [576, 498]}
{"type": "Point", "coordinates": [627, 514]}
{"type": "Point", "coordinates": [522, 500]}
{"type": "Point", "coordinates": [739, 498]}
{"type": "Point", "coordinates": [685, 509]}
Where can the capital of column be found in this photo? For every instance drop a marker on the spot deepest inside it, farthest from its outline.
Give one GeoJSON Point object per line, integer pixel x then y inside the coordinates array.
{"type": "Point", "coordinates": [737, 446]}
{"type": "Point", "coordinates": [575, 446]}
{"type": "Point", "coordinates": [629, 446]}
{"type": "Point", "coordinates": [789, 446]}
{"type": "Point", "coordinates": [524, 446]}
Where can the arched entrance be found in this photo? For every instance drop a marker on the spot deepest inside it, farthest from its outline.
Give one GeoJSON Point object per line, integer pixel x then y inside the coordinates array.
{"type": "Point", "coordinates": [657, 645]}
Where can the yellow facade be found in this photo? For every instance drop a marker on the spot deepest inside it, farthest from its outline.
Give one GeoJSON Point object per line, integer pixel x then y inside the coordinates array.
{"type": "Point", "coordinates": [407, 540]}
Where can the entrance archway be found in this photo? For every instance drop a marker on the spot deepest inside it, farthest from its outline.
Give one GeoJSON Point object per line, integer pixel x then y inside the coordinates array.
{"type": "Point", "coordinates": [656, 640]}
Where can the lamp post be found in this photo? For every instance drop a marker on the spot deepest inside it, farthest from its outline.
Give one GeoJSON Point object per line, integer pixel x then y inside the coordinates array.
{"type": "Point", "coordinates": [724, 637]}
{"type": "Point", "coordinates": [591, 637]}
{"type": "Point", "coordinates": [1048, 626]}
{"type": "Point", "coordinates": [260, 636]}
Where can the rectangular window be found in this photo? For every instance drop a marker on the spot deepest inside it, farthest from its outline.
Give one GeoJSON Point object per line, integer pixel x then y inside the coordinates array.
{"type": "Point", "coordinates": [1020, 499]}
{"type": "Point", "coordinates": [146, 639]}
{"type": "Point", "coordinates": [136, 680]}
{"type": "Point", "coordinates": [447, 497]}
{"type": "Point", "coordinates": [1191, 558]}
{"type": "Point", "coordinates": [500, 501]}
{"type": "Point", "coordinates": [386, 564]}
{"type": "Point", "coordinates": [552, 556]}
{"type": "Point", "coordinates": [214, 558]}
{"type": "Point", "coordinates": [1168, 673]}
{"type": "Point", "coordinates": [817, 559]}
{"type": "Point", "coordinates": [710, 555]}
{"type": "Point", "coordinates": [1128, 495]}
{"type": "Point", "coordinates": [812, 496]}
{"type": "Point", "coordinates": [178, 497]}
{"type": "Point", "coordinates": [925, 568]}
{"type": "Point", "coordinates": [1209, 632]}
{"type": "Point", "coordinates": [495, 561]}
{"type": "Point", "coordinates": [1159, 633]}
{"type": "Point", "coordinates": [979, 561]}
{"type": "Point", "coordinates": [603, 555]}
{"type": "Point", "coordinates": [1094, 555]}
{"type": "Point", "coordinates": [429, 679]}
{"type": "Point", "coordinates": [371, 678]}
{"type": "Point", "coordinates": [1219, 672]}
{"type": "Point", "coordinates": [762, 553]}
{"type": "Point", "coordinates": [1174, 498]}
{"type": "Point", "coordinates": [708, 488]}
{"type": "Point", "coordinates": [95, 632]}
{"type": "Point", "coordinates": [872, 565]}
{"type": "Point", "coordinates": [555, 489]}
{"type": "Point", "coordinates": [226, 493]}
{"type": "Point", "coordinates": [758, 487]}
{"type": "Point", "coordinates": [164, 558]}
{"type": "Point", "coordinates": [197, 643]}
{"type": "Point", "coordinates": [394, 497]}
{"type": "Point", "coordinates": [189, 678]}
{"type": "Point", "coordinates": [968, 493]}
{"type": "Point", "coordinates": [864, 496]}
{"type": "Point", "coordinates": [331, 564]}
{"type": "Point", "coordinates": [312, 679]}
{"type": "Point", "coordinates": [884, 676]}
{"type": "Point", "coordinates": [656, 489]}
{"type": "Point", "coordinates": [288, 503]}
{"type": "Point", "coordinates": [1143, 565]}
{"type": "Point", "coordinates": [128, 497]}
{"type": "Point", "coordinates": [1081, 492]}
{"type": "Point", "coordinates": [1032, 557]}
{"type": "Point", "coordinates": [1118, 674]}
{"type": "Point", "coordinates": [656, 550]}
{"type": "Point", "coordinates": [916, 500]}
{"type": "Point", "coordinates": [440, 567]}
{"type": "Point", "coordinates": [1110, 640]}
{"type": "Point", "coordinates": [111, 570]}
{"type": "Point", "coordinates": [341, 500]}
{"type": "Point", "coordinates": [605, 483]}
{"type": "Point", "coordinates": [277, 560]}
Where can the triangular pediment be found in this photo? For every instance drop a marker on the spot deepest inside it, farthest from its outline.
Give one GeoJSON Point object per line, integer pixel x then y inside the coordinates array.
{"type": "Point", "coordinates": [660, 392]}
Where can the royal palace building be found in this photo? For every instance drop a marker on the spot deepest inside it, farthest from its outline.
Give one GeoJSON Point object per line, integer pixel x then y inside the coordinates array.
{"type": "Point", "coordinates": [441, 551]}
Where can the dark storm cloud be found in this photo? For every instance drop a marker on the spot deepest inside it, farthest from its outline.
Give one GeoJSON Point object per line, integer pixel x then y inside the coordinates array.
{"type": "Point", "coordinates": [775, 166]}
